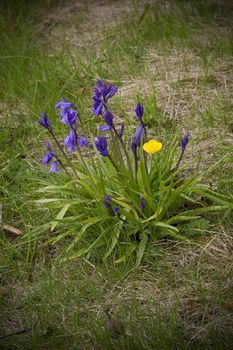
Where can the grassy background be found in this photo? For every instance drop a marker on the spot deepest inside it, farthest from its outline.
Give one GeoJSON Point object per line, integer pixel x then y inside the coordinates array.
{"type": "Point", "coordinates": [176, 57]}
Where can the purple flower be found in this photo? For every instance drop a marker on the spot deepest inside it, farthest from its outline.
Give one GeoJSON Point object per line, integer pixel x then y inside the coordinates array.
{"type": "Point", "coordinates": [143, 203]}
{"type": "Point", "coordinates": [82, 142]}
{"type": "Point", "coordinates": [70, 141]}
{"type": "Point", "coordinates": [101, 145]}
{"type": "Point", "coordinates": [49, 156]}
{"type": "Point", "coordinates": [139, 110]}
{"type": "Point", "coordinates": [54, 167]}
{"type": "Point", "coordinates": [137, 139]}
{"type": "Point", "coordinates": [97, 107]}
{"type": "Point", "coordinates": [44, 122]}
{"type": "Point", "coordinates": [69, 117]}
{"type": "Point", "coordinates": [47, 159]}
{"type": "Point", "coordinates": [64, 105]}
{"type": "Point", "coordinates": [107, 203]}
{"type": "Point", "coordinates": [111, 91]}
{"type": "Point", "coordinates": [108, 117]}
{"type": "Point", "coordinates": [121, 130]}
{"type": "Point", "coordinates": [184, 141]}
{"type": "Point", "coordinates": [47, 144]}
{"type": "Point", "coordinates": [102, 94]}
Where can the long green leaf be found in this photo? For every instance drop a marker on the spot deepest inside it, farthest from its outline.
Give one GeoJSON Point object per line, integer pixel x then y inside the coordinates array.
{"type": "Point", "coordinates": [141, 248]}
{"type": "Point", "coordinates": [60, 215]}
{"type": "Point", "coordinates": [115, 237]}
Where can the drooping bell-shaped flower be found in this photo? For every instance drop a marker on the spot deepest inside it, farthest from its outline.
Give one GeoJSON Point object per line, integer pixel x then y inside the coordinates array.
{"type": "Point", "coordinates": [184, 141]}
{"type": "Point", "coordinates": [82, 141]}
{"type": "Point", "coordinates": [54, 167]}
{"type": "Point", "coordinates": [101, 145]}
{"type": "Point", "coordinates": [69, 118]}
{"type": "Point", "coordinates": [70, 141]}
{"type": "Point", "coordinates": [108, 117]}
{"type": "Point", "coordinates": [49, 156]}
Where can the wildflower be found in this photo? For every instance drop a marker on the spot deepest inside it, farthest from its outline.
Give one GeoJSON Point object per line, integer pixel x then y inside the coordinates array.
{"type": "Point", "coordinates": [82, 141]}
{"type": "Point", "coordinates": [137, 139]}
{"type": "Point", "coordinates": [102, 94]}
{"type": "Point", "coordinates": [69, 118]}
{"type": "Point", "coordinates": [184, 141]}
{"type": "Point", "coordinates": [97, 106]}
{"type": "Point", "coordinates": [49, 156]}
{"type": "Point", "coordinates": [106, 91]}
{"type": "Point", "coordinates": [107, 203]}
{"type": "Point", "coordinates": [108, 117]}
{"type": "Point", "coordinates": [44, 122]}
{"type": "Point", "coordinates": [47, 159]}
{"type": "Point", "coordinates": [54, 167]}
{"type": "Point", "coordinates": [143, 203]}
{"type": "Point", "coordinates": [152, 146]}
{"type": "Point", "coordinates": [139, 110]}
{"type": "Point", "coordinates": [64, 105]}
{"type": "Point", "coordinates": [101, 145]}
{"type": "Point", "coordinates": [70, 141]}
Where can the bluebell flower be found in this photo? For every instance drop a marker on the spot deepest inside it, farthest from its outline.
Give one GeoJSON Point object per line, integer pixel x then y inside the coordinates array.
{"type": "Point", "coordinates": [47, 159]}
{"type": "Point", "coordinates": [44, 122]}
{"type": "Point", "coordinates": [69, 118]}
{"type": "Point", "coordinates": [184, 141]}
{"type": "Point", "coordinates": [108, 117]}
{"type": "Point", "coordinates": [137, 138]}
{"type": "Point", "coordinates": [101, 145]}
{"type": "Point", "coordinates": [97, 106]}
{"type": "Point", "coordinates": [102, 94]}
{"type": "Point", "coordinates": [70, 141]}
{"type": "Point", "coordinates": [107, 203]}
{"type": "Point", "coordinates": [49, 156]}
{"type": "Point", "coordinates": [82, 141]}
{"type": "Point", "coordinates": [65, 106]}
{"type": "Point", "coordinates": [54, 167]}
{"type": "Point", "coordinates": [143, 203]}
{"type": "Point", "coordinates": [139, 110]}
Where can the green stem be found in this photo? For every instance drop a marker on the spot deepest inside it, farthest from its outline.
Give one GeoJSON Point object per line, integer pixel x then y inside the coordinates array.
{"type": "Point", "coordinates": [64, 154]}
{"type": "Point", "coordinates": [125, 151]}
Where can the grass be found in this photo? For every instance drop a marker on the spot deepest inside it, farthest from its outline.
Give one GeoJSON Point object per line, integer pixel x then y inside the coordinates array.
{"type": "Point", "coordinates": [177, 59]}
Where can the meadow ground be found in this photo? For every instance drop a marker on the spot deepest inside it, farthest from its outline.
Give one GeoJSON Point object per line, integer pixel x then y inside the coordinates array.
{"type": "Point", "coordinates": [176, 57]}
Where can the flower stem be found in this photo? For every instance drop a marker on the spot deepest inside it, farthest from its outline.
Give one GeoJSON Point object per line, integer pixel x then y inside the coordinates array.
{"type": "Point", "coordinates": [63, 152]}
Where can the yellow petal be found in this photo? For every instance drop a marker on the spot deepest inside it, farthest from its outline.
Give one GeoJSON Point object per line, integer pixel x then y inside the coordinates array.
{"type": "Point", "coordinates": [152, 146]}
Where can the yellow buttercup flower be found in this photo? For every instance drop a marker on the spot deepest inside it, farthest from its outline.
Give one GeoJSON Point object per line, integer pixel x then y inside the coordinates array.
{"type": "Point", "coordinates": [152, 146]}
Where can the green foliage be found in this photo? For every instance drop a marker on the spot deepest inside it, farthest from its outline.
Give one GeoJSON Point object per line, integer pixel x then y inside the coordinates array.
{"type": "Point", "coordinates": [83, 221]}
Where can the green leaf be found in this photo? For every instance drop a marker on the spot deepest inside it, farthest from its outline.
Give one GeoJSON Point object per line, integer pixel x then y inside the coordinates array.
{"type": "Point", "coordinates": [167, 226]}
{"type": "Point", "coordinates": [141, 248]}
{"type": "Point", "coordinates": [115, 237]}
{"type": "Point", "coordinates": [60, 216]}
{"type": "Point", "coordinates": [89, 222]}
{"type": "Point", "coordinates": [47, 200]}
{"type": "Point", "coordinates": [181, 217]}
{"type": "Point", "coordinates": [128, 252]}
{"type": "Point", "coordinates": [175, 235]}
